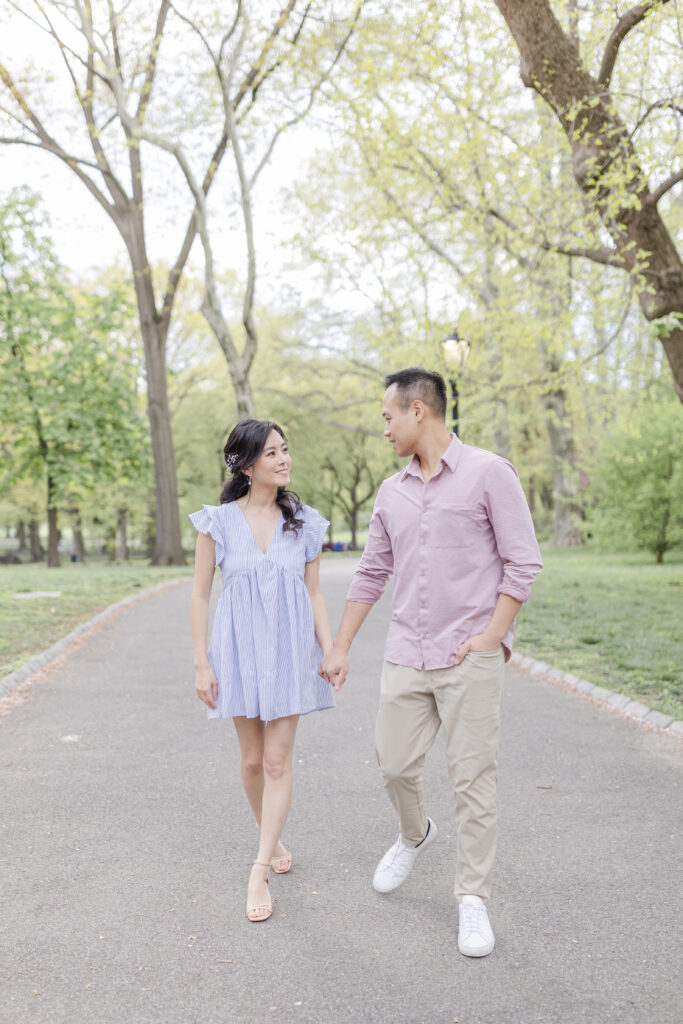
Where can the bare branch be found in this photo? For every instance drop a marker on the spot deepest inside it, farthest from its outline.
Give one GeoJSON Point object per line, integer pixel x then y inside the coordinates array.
{"type": "Point", "coordinates": [314, 92]}
{"type": "Point", "coordinates": [257, 67]}
{"type": "Point", "coordinates": [50, 145]}
{"type": "Point", "coordinates": [231, 31]}
{"type": "Point", "coordinates": [659, 105]}
{"type": "Point", "coordinates": [113, 29]}
{"type": "Point", "coordinates": [205, 42]}
{"type": "Point", "coordinates": [247, 215]}
{"type": "Point", "coordinates": [626, 22]}
{"type": "Point", "coordinates": [604, 254]}
{"type": "Point", "coordinates": [667, 184]}
{"type": "Point", "coordinates": [146, 90]}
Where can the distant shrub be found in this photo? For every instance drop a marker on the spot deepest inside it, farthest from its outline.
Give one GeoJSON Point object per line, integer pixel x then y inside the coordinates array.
{"type": "Point", "coordinates": [637, 481]}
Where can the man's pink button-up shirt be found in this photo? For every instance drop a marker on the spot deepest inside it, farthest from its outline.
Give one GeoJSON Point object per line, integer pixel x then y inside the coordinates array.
{"type": "Point", "coordinates": [453, 545]}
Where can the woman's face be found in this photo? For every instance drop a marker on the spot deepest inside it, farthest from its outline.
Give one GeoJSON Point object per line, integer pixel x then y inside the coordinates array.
{"type": "Point", "coordinates": [271, 469]}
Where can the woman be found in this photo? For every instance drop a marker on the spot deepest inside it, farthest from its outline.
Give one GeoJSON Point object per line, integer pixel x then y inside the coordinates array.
{"type": "Point", "coordinates": [260, 668]}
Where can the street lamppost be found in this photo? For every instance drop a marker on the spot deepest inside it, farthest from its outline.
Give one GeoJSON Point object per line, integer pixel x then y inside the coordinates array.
{"type": "Point", "coordinates": [455, 352]}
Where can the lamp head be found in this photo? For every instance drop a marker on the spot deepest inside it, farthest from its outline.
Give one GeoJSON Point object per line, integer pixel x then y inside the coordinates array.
{"type": "Point", "coordinates": [455, 350]}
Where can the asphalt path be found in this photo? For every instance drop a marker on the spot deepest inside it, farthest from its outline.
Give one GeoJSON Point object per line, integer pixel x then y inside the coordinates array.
{"type": "Point", "coordinates": [126, 843]}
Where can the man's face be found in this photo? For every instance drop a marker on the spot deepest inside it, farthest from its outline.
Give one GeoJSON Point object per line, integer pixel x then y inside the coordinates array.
{"type": "Point", "coordinates": [400, 425]}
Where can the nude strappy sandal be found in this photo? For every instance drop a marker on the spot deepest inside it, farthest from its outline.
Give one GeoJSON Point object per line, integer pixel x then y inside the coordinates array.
{"type": "Point", "coordinates": [261, 911]}
{"type": "Point", "coordinates": [281, 864]}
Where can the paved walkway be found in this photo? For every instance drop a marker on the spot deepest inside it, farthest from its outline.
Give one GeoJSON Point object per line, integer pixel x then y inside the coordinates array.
{"type": "Point", "coordinates": [125, 846]}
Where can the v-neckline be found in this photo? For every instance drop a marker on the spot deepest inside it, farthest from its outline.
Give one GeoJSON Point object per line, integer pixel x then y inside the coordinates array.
{"type": "Point", "coordinates": [253, 535]}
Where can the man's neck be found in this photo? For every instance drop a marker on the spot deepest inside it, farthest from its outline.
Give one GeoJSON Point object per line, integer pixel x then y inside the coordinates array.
{"type": "Point", "coordinates": [430, 451]}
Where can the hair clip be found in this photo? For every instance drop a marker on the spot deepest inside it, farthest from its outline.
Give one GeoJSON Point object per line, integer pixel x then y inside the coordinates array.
{"type": "Point", "coordinates": [230, 460]}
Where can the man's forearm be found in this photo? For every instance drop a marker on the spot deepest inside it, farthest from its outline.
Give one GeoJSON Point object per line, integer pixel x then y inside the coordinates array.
{"type": "Point", "coordinates": [503, 616]}
{"type": "Point", "coordinates": [355, 613]}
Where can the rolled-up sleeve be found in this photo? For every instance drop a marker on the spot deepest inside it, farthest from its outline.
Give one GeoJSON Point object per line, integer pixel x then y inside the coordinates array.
{"type": "Point", "coordinates": [513, 528]}
{"type": "Point", "coordinates": [377, 562]}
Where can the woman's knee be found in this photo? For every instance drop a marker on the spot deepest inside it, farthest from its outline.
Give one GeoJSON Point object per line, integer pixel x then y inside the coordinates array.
{"type": "Point", "coordinates": [277, 764]}
{"type": "Point", "coordinates": [252, 761]}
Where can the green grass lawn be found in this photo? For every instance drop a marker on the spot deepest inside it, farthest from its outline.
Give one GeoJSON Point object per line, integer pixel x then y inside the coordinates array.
{"type": "Point", "coordinates": [29, 626]}
{"type": "Point", "coordinates": [614, 619]}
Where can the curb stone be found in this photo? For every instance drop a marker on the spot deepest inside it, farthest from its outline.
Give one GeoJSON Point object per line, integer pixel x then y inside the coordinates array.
{"type": "Point", "coordinates": [619, 702]}
{"type": "Point", "coordinates": [42, 660]}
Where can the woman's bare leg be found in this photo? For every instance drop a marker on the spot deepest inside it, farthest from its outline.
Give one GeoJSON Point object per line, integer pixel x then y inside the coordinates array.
{"type": "Point", "coordinates": [251, 738]}
{"type": "Point", "coordinates": [268, 785]}
{"type": "Point", "coordinates": [277, 788]}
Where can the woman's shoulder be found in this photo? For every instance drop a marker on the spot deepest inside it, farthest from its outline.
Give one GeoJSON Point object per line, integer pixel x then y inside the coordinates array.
{"type": "Point", "coordinates": [309, 513]}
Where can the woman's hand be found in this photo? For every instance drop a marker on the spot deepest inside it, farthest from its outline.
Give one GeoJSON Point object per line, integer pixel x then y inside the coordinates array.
{"type": "Point", "coordinates": [334, 668]}
{"type": "Point", "coordinates": [206, 686]}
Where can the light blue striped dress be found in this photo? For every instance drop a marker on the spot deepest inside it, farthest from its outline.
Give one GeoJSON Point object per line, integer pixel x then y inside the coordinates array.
{"type": "Point", "coordinates": [263, 649]}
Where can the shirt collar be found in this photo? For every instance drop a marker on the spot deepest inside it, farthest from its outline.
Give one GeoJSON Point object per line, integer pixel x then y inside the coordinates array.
{"type": "Point", "coordinates": [450, 458]}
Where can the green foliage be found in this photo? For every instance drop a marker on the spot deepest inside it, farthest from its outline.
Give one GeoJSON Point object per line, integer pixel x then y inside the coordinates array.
{"type": "Point", "coordinates": [68, 401]}
{"type": "Point", "coordinates": [638, 480]}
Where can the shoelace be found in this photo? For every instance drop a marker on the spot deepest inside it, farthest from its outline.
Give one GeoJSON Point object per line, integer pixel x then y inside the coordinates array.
{"type": "Point", "coordinates": [474, 918]}
{"type": "Point", "coordinates": [399, 851]}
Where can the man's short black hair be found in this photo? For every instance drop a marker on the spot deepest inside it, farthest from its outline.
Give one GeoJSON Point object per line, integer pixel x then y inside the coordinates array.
{"type": "Point", "coordinates": [416, 382]}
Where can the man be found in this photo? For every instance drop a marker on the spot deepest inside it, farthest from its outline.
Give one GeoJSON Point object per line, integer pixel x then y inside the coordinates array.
{"type": "Point", "coordinates": [455, 530]}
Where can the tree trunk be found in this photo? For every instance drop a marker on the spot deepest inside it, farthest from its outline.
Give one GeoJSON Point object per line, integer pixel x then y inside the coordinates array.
{"type": "Point", "coordinates": [501, 428]}
{"type": "Point", "coordinates": [110, 542]}
{"type": "Point", "coordinates": [149, 529]}
{"type": "Point", "coordinates": [37, 550]}
{"type": "Point", "coordinates": [605, 164]}
{"type": "Point", "coordinates": [167, 543]}
{"type": "Point", "coordinates": [566, 532]}
{"type": "Point", "coordinates": [122, 528]}
{"type": "Point", "coordinates": [77, 533]}
{"type": "Point", "coordinates": [53, 559]}
{"type": "Point", "coordinates": [21, 535]}
{"type": "Point", "coordinates": [353, 525]}
{"type": "Point", "coordinates": [246, 407]}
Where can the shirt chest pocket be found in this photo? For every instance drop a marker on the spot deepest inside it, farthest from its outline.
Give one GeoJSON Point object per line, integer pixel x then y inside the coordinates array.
{"type": "Point", "coordinates": [460, 527]}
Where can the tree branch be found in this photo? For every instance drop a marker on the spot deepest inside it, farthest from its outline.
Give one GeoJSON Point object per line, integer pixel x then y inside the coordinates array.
{"type": "Point", "coordinates": [314, 92]}
{"type": "Point", "coordinates": [247, 214]}
{"type": "Point", "coordinates": [251, 79]}
{"type": "Point", "coordinates": [50, 145]}
{"type": "Point", "coordinates": [604, 255]}
{"type": "Point", "coordinates": [150, 72]}
{"type": "Point", "coordinates": [664, 187]}
{"type": "Point", "coordinates": [626, 22]}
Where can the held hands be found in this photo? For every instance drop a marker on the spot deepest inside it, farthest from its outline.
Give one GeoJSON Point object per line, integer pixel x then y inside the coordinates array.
{"type": "Point", "coordinates": [334, 667]}
{"type": "Point", "coordinates": [481, 642]}
{"type": "Point", "coordinates": [206, 686]}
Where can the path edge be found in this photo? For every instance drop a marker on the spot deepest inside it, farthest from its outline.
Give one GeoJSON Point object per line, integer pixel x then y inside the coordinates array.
{"type": "Point", "coordinates": [43, 660]}
{"type": "Point", "coordinates": [599, 695]}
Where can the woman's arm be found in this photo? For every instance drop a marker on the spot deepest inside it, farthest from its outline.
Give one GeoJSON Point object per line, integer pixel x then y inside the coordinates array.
{"type": "Point", "coordinates": [204, 569]}
{"type": "Point", "coordinates": [320, 620]}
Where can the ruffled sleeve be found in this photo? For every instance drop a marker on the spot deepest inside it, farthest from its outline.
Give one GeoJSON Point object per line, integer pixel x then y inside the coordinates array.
{"type": "Point", "coordinates": [315, 528]}
{"type": "Point", "coordinates": [206, 520]}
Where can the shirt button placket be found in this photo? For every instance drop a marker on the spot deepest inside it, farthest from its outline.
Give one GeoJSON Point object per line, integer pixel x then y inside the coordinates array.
{"type": "Point", "coordinates": [422, 596]}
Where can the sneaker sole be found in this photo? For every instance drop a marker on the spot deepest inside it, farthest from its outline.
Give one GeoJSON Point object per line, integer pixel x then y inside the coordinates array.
{"type": "Point", "coordinates": [484, 951]}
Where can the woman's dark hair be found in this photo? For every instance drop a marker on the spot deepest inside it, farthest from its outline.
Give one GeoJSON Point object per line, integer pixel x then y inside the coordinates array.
{"type": "Point", "coordinates": [246, 442]}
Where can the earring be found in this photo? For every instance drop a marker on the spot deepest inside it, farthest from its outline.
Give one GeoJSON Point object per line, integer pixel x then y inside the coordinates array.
{"type": "Point", "coordinates": [248, 481]}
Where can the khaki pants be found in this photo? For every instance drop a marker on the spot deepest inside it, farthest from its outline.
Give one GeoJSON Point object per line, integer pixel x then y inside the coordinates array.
{"type": "Point", "coordinates": [466, 700]}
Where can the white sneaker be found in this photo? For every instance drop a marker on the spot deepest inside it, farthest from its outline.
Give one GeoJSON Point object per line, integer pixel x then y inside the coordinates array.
{"type": "Point", "coordinates": [397, 862]}
{"type": "Point", "coordinates": [475, 937]}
